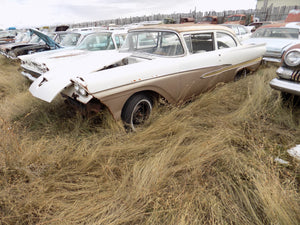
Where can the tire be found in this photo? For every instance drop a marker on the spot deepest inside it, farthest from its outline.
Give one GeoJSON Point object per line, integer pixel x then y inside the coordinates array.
{"type": "Point", "coordinates": [241, 74]}
{"type": "Point", "coordinates": [136, 111]}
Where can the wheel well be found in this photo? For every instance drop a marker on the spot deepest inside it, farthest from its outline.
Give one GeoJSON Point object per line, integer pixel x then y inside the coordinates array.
{"type": "Point", "coordinates": [241, 73]}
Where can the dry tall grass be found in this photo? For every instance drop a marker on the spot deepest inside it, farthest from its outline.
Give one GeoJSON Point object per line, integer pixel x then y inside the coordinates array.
{"type": "Point", "coordinates": [210, 161]}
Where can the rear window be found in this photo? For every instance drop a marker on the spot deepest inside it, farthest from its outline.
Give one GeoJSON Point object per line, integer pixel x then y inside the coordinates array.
{"type": "Point", "coordinates": [276, 32]}
{"type": "Point", "coordinates": [225, 40]}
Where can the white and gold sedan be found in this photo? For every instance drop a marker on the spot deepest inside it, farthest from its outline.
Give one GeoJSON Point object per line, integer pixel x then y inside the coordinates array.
{"type": "Point", "coordinates": [175, 62]}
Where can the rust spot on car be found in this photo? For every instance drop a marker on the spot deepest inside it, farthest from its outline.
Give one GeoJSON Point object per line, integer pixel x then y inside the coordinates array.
{"type": "Point", "coordinates": [43, 81]}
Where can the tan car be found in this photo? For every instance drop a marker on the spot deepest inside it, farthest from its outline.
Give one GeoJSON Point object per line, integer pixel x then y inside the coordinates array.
{"type": "Point", "coordinates": [175, 62]}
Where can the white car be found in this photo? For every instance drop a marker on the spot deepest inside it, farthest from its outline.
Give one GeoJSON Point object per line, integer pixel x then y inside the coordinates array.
{"type": "Point", "coordinates": [175, 62]}
{"type": "Point", "coordinates": [85, 57]}
{"type": "Point", "coordinates": [277, 37]}
{"type": "Point", "coordinates": [241, 31]}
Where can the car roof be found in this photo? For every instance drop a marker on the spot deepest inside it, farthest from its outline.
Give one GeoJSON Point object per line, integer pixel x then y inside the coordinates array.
{"type": "Point", "coordinates": [273, 25]}
{"type": "Point", "coordinates": [232, 25]}
{"type": "Point", "coordinates": [281, 25]}
{"type": "Point", "coordinates": [102, 31]}
{"type": "Point", "coordinates": [183, 27]}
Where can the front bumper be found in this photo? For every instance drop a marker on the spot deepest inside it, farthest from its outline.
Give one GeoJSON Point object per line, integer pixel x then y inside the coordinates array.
{"type": "Point", "coordinates": [286, 86]}
{"type": "Point", "coordinates": [31, 76]}
{"type": "Point", "coordinates": [288, 81]}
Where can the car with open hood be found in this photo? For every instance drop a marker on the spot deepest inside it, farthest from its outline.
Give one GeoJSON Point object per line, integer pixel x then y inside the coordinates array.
{"type": "Point", "coordinates": [174, 62]}
{"type": "Point", "coordinates": [87, 56]}
{"type": "Point", "coordinates": [288, 74]}
{"type": "Point", "coordinates": [36, 41]}
{"type": "Point", "coordinates": [7, 36]}
{"type": "Point", "coordinates": [278, 38]}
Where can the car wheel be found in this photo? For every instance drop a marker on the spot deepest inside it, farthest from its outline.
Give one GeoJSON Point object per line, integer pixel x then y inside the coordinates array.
{"type": "Point", "coordinates": [136, 111]}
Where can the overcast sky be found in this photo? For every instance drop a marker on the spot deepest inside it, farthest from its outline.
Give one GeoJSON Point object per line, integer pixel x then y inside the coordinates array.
{"type": "Point", "coordinates": [51, 12]}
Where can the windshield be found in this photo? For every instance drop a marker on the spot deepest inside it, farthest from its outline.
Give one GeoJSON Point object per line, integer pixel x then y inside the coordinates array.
{"type": "Point", "coordinates": [207, 19]}
{"type": "Point", "coordinates": [97, 41]}
{"type": "Point", "coordinates": [154, 42]}
{"type": "Point", "coordinates": [69, 39]}
{"type": "Point", "coordinates": [276, 32]}
{"type": "Point", "coordinates": [234, 18]}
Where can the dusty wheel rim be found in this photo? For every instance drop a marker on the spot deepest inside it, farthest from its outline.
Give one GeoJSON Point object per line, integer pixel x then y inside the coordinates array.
{"type": "Point", "coordinates": [140, 113]}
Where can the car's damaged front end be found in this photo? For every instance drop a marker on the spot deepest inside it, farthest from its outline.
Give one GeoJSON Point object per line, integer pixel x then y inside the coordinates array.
{"type": "Point", "coordinates": [50, 84]}
{"type": "Point", "coordinates": [36, 41]}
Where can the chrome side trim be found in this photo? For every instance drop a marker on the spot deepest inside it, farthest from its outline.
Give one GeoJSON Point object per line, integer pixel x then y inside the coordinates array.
{"type": "Point", "coordinates": [275, 60]}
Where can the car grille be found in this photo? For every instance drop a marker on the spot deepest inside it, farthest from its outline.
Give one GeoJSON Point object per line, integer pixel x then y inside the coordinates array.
{"type": "Point", "coordinates": [296, 75]}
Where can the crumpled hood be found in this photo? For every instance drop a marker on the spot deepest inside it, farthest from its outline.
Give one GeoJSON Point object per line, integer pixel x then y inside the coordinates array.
{"type": "Point", "coordinates": [51, 83]}
{"type": "Point", "coordinates": [272, 44]}
{"type": "Point", "coordinates": [40, 56]}
{"type": "Point", "coordinates": [75, 61]}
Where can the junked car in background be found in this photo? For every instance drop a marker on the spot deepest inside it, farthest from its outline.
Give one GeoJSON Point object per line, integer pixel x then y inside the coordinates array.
{"type": "Point", "coordinates": [241, 31]}
{"type": "Point", "coordinates": [278, 38]}
{"type": "Point", "coordinates": [255, 25]}
{"type": "Point", "coordinates": [34, 41]}
{"type": "Point", "coordinates": [87, 56]}
{"type": "Point", "coordinates": [7, 36]}
{"type": "Point", "coordinates": [175, 62]}
{"type": "Point", "coordinates": [22, 38]}
{"type": "Point", "coordinates": [38, 42]}
{"type": "Point", "coordinates": [288, 80]}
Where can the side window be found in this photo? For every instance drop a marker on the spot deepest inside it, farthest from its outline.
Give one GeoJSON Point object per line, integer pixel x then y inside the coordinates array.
{"type": "Point", "coordinates": [188, 42]}
{"type": "Point", "coordinates": [225, 41]}
{"type": "Point", "coordinates": [202, 42]}
{"type": "Point", "coordinates": [110, 43]}
{"type": "Point", "coordinates": [147, 39]}
{"type": "Point", "coordinates": [57, 39]}
{"type": "Point", "coordinates": [119, 40]}
{"type": "Point", "coordinates": [170, 44]}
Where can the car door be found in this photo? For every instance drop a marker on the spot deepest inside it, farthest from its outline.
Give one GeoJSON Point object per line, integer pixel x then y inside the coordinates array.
{"type": "Point", "coordinates": [226, 54]}
{"type": "Point", "coordinates": [202, 58]}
